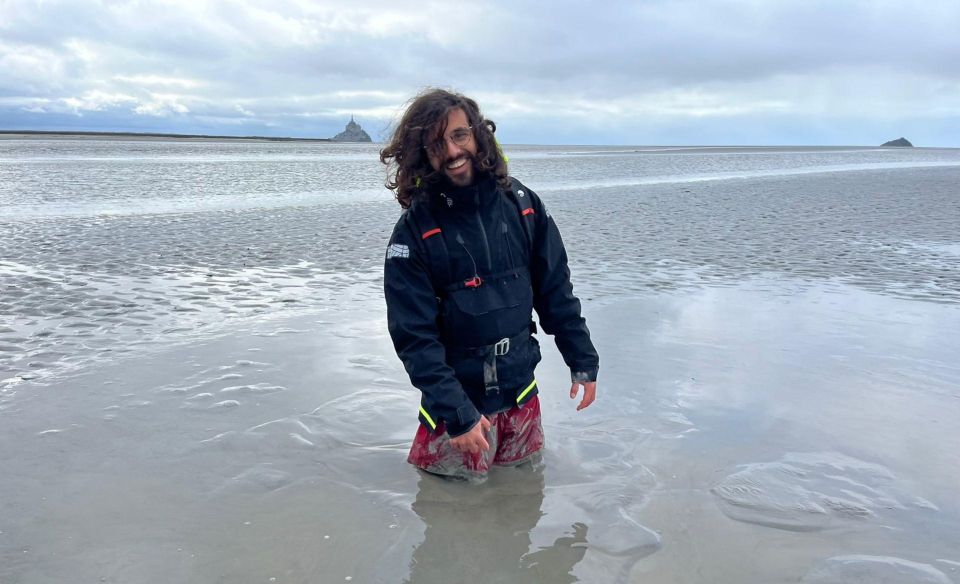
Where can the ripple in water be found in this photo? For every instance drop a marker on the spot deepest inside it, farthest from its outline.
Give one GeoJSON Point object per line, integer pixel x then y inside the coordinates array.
{"type": "Point", "coordinates": [365, 419]}
{"type": "Point", "coordinates": [811, 491]}
{"type": "Point", "coordinates": [873, 570]}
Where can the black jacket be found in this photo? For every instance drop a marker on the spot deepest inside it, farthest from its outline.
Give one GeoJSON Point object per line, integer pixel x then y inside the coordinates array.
{"type": "Point", "coordinates": [438, 331]}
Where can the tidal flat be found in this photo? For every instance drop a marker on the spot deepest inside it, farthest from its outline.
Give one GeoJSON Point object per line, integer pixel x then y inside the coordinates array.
{"type": "Point", "coordinates": [198, 385]}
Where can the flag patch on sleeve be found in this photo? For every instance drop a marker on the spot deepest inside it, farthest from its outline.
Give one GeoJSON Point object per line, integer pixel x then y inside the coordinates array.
{"type": "Point", "coordinates": [398, 250]}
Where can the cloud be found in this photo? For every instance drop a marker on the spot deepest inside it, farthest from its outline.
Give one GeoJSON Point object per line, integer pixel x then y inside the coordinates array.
{"type": "Point", "coordinates": [96, 101]}
{"type": "Point", "coordinates": [162, 106]}
{"type": "Point", "coordinates": [625, 68]}
{"type": "Point", "coordinates": [159, 81]}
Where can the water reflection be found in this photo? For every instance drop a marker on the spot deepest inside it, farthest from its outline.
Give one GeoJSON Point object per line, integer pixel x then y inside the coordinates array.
{"type": "Point", "coordinates": [482, 533]}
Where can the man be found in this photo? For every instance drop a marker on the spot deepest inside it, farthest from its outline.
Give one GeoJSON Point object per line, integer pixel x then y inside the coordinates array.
{"type": "Point", "coordinates": [474, 253]}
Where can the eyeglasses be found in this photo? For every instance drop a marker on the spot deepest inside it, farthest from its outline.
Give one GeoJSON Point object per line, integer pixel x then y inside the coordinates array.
{"type": "Point", "coordinates": [459, 137]}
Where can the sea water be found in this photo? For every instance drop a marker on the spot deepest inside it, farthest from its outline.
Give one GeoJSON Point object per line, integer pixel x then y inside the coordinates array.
{"type": "Point", "coordinates": [196, 381]}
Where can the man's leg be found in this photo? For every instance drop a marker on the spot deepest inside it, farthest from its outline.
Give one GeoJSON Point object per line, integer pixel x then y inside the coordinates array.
{"type": "Point", "coordinates": [520, 433]}
{"type": "Point", "coordinates": [432, 452]}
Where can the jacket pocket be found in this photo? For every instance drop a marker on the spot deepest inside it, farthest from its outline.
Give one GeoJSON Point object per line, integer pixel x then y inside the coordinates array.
{"type": "Point", "coordinates": [493, 295]}
{"type": "Point", "coordinates": [498, 308]}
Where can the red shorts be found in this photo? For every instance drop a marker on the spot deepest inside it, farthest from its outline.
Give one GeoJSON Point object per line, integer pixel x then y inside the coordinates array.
{"type": "Point", "coordinates": [514, 436]}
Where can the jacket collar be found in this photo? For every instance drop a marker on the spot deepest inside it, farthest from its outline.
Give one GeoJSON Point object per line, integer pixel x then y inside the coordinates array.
{"type": "Point", "coordinates": [468, 197]}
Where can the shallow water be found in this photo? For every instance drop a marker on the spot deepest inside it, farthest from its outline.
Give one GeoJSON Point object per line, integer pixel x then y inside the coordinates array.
{"type": "Point", "coordinates": [733, 424]}
{"type": "Point", "coordinates": [212, 396]}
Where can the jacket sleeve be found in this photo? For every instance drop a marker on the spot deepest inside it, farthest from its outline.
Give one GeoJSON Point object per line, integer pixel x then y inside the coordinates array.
{"type": "Point", "coordinates": [554, 300]}
{"type": "Point", "coordinates": [412, 312]}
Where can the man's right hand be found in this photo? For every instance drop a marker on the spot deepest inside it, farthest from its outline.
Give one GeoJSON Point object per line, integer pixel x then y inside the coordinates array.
{"type": "Point", "coordinates": [475, 440]}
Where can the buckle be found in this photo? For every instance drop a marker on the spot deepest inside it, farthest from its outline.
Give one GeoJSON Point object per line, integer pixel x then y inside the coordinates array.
{"type": "Point", "coordinates": [502, 347]}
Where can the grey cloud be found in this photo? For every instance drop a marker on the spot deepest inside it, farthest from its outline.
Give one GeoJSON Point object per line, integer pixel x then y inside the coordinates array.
{"type": "Point", "coordinates": [639, 46]}
{"type": "Point", "coordinates": [665, 59]}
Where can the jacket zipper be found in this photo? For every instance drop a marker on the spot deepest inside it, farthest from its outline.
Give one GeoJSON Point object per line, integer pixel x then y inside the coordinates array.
{"type": "Point", "coordinates": [486, 243]}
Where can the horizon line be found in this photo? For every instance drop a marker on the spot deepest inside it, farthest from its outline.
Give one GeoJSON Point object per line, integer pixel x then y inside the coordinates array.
{"type": "Point", "coordinates": [161, 135]}
{"type": "Point", "coordinates": [97, 133]}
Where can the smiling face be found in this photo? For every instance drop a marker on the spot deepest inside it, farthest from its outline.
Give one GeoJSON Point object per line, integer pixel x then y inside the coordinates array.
{"type": "Point", "coordinates": [454, 160]}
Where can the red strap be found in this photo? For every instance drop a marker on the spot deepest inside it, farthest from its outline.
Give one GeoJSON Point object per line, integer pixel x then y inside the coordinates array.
{"type": "Point", "coordinates": [529, 211]}
{"type": "Point", "coordinates": [429, 233]}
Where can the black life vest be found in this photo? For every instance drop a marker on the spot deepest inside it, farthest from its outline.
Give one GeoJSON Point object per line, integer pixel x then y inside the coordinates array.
{"type": "Point", "coordinates": [437, 254]}
{"type": "Point", "coordinates": [500, 363]}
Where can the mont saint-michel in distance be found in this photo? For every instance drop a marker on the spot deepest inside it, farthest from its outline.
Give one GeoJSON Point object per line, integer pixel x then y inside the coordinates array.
{"type": "Point", "coordinates": [352, 133]}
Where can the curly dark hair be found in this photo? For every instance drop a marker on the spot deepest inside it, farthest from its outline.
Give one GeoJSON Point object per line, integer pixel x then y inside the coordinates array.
{"type": "Point", "coordinates": [409, 174]}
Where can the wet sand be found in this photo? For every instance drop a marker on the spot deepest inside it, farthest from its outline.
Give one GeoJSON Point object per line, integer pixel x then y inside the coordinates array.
{"type": "Point", "coordinates": [81, 289]}
{"type": "Point", "coordinates": [211, 396]}
{"type": "Point", "coordinates": [765, 432]}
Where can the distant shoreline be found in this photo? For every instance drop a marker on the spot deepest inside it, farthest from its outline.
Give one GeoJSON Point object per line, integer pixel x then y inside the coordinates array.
{"type": "Point", "coordinates": [161, 137]}
{"type": "Point", "coordinates": [68, 135]}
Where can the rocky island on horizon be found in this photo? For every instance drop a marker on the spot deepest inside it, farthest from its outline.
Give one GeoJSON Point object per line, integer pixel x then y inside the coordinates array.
{"type": "Point", "coordinates": [352, 133]}
{"type": "Point", "coordinates": [900, 142]}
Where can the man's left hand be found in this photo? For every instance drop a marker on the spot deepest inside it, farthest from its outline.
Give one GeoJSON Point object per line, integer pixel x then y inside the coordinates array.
{"type": "Point", "coordinates": [589, 392]}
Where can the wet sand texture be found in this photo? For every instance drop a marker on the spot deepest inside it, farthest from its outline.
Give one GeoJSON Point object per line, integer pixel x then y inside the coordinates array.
{"type": "Point", "coordinates": [213, 397]}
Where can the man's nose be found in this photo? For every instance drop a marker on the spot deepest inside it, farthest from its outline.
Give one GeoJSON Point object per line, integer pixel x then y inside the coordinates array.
{"type": "Point", "coordinates": [452, 149]}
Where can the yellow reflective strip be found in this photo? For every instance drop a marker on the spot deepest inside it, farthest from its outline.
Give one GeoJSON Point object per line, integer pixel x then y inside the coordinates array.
{"type": "Point", "coordinates": [524, 393]}
{"type": "Point", "coordinates": [433, 425]}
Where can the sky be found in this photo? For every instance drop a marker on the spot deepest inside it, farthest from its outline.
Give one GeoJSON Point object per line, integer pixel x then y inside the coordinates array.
{"type": "Point", "coordinates": [654, 72]}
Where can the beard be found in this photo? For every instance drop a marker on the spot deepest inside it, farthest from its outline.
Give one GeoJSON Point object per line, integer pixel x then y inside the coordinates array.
{"type": "Point", "coordinates": [462, 175]}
